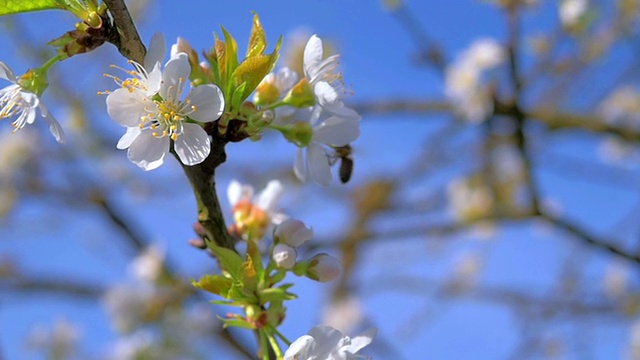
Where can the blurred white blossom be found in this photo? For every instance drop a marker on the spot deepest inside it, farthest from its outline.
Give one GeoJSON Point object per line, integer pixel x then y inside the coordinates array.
{"type": "Point", "coordinates": [615, 280]}
{"type": "Point", "coordinates": [343, 313]}
{"type": "Point", "coordinates": [469, 200]}
{"type": "Point", "coordinates": [464, 79]}
{"type": "Point", "coordinates": [622, 107]}
{"type": "Point", "coordinates": [572, 11]}
{"type": "Point", "coordinates": [61, 339]}
{"type": "Point", "coordinates": [148, 265]}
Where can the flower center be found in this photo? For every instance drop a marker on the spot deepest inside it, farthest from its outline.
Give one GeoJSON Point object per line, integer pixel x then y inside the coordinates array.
{"type": "Point", "coordinates": [168, 115]}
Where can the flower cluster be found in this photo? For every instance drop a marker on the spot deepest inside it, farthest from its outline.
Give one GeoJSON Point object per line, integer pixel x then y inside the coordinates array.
{"type": "Point", "coordinates": [313, 115]}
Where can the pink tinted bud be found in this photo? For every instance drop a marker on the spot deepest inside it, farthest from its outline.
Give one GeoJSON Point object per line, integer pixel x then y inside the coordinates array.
{"type": "Point", "coordinates": [324, 268]}
{"type": "Point", "coordinates": [284, 256]}
{"type": "Point", "coordinates": [293, 232]}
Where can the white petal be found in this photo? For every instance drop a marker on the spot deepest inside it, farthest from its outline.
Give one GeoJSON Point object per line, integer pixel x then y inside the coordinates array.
{"type": "Point", "coordinates": [326, 337]}
{"type": "Point", "coordinates": [318, 164]}
{"type": "Point", "coordinates": [33, 101]}
{"type": "Point", "coordinates": [299, 167]}
{"type": "Point", "coordinates": [325, 93]}
{"type": "Point", "coordinates": [154, 80]}
{"type": "Point", "coordinates": [193, 145]}
{"type": "Point", "coordinates": [268, 198]}
{"type": "Point", "coordinates": [360, 341]}
{"type": "Point", "coordinates": [126, 108]}
{"type": "Point", "coordinates": [312, 56]}
{"type": "Point", "coordinates": [300, 348]}
{"type": "Point", "coordinates": [234, 192]}
{"type": "Point", "coordinates": [148, 151]}
{"type": "Point", "coordinates": [209, 103]}
{"type": "Point", "coordinates": [336, 131]}
{"type": "Point", "coordinates": [175, 76]}
{"type": "Point", "coordinates": [128, 137]}
{"type": "Point", "coordinates": [156, 51]}
{"type": "Point", "coordinates": [54, 126]}
{"type": "Point", "coordinates": [284, 256]}
{"type": "Point", "coordinates": [6, 73]}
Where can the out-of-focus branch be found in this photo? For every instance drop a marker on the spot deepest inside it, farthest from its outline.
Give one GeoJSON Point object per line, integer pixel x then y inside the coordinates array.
{"type": "Point", "coordinates": [588, 239]}
{"type": "Point", "coordinates": [430, 51]}
{"type": "Point", "coordinates": [553, 119]}
{"type": "Point", "coordinates": [52, 286]}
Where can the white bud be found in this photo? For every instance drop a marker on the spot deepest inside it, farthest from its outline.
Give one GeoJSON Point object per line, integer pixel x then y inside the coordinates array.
{"type": "Point", "coordinates": [284, 256]}
{"type": "Point", "coordinates": [293, 233]}
{"type": "Point", "coordinates": [324, 268]}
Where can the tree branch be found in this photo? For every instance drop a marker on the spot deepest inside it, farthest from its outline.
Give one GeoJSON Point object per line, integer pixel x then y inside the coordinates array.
{"type": "Point", "coordinates": [128, 40]}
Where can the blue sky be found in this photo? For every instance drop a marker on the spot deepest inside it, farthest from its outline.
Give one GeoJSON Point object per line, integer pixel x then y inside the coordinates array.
{"type": "Point", "coordinates": [378, 61]}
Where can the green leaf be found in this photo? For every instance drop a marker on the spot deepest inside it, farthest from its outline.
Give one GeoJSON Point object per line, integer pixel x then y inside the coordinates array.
{"type": "Point", "coordinates": [237, 96]}
{"type": "Point", "coordinates": [215, 284]}
{"type": "Point", "coordinates": [253, 252]}
{"type": "Point", "coordinates": [253, 69]}
{"type": "Point", "coordinates": [8, 7]}
{"type": "Point", "coordinates": [230, 57]}
{"type": "Point", "coordinates": [257, 38]}
{"type": "Point", "coordinates": [230, 261]}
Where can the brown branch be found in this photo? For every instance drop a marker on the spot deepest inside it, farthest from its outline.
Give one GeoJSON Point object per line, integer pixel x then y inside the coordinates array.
{"type": "Point", "coordinates": [128, 40]}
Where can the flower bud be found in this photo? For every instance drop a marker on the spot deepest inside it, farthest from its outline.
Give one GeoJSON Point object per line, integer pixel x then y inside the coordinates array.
{"type": "Point", "coordinates": [284, 256]}
{"type": "Point", "coordinates": [323, 268]}
{"type": "Point", "coordinates": [293, 233]}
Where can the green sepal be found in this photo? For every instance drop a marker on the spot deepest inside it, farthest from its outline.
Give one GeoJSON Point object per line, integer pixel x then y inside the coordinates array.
{"type": "Point", "coordinates": [8, 7]}
{"type": "Point", "coordinates": [276, 294]}
{"type": "Point", "coordinates": [243, 324]}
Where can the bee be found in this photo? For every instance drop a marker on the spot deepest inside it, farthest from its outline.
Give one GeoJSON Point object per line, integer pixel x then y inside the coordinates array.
{"type": "Point", "coordinates": [343, 153]}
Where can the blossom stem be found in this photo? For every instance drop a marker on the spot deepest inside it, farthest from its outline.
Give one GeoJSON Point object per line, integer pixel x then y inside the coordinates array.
{"type": "Point", "coordinates": [50, 62]}
{"type": "Point", "coordinates": [274, 345]}
{"type": "Point", "coordinates": [282, 337]}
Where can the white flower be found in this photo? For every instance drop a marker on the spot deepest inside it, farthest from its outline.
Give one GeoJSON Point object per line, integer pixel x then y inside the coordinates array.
{"type": "Point", "coordinates": [149, 264]}
{"type": "Point", "coordinates": [327, 343]}
{"type": "Point", "coordinates": [253, 213]}
{"type": "Point", "coordinates": [292, 232]}
{"type": "Point", "coordinates": [571, 11]}
{"type": "Point", "coordinates": [463, 78]}
{"type": "Point", "coordinates": [284, 256]}
{"type": "Point", "coordinates": [333, 124]}
{"type": "Point", "coordinates": [153, 119]}
{"type": "Point", "coordinates": [22, 103]}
